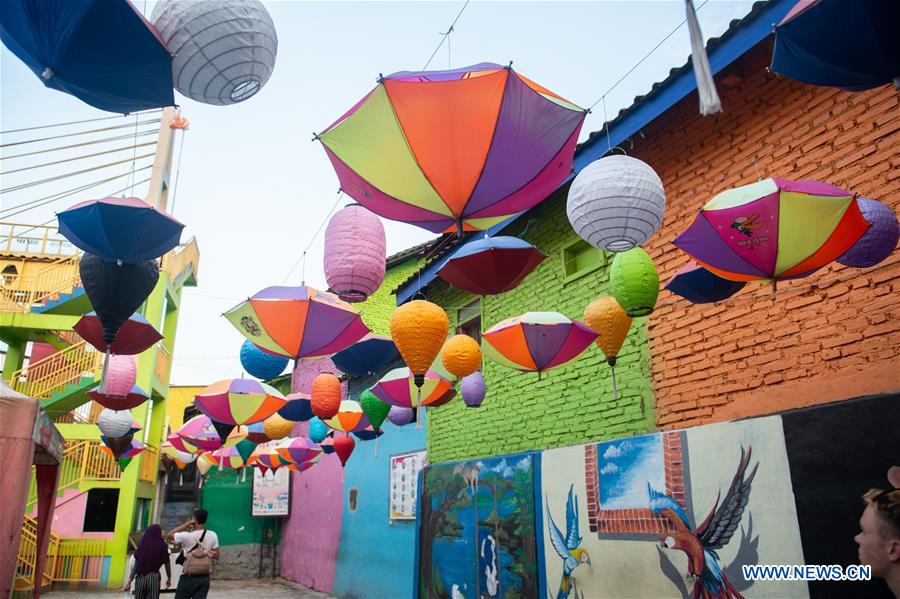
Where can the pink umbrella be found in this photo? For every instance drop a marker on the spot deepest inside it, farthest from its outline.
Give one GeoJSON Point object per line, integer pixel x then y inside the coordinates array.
{"type": "Point", "coordinates": [200, 432]}
{"type": "Point", "coordinates": [299, 450]}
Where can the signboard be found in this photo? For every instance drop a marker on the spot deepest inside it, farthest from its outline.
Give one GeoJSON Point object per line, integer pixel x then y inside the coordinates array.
{"type": "Point", "coordinates": [404, 478]}
{"type": "Point", "coordinates": [272, 493]}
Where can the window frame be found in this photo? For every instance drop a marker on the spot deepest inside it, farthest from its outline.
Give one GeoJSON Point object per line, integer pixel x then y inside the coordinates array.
{"type": "Point", "coordinates": [602, 260]}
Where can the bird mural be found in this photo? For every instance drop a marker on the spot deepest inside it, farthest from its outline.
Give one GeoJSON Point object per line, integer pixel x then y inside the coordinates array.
{"type": "Point", "coordinates": [701, 543]}
{"type": "Point", "coordinates": [568, 547]}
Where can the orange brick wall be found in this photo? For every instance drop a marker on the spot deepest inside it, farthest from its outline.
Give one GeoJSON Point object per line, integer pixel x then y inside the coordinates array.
{"type": "Point", "coordinates": [758, 353]}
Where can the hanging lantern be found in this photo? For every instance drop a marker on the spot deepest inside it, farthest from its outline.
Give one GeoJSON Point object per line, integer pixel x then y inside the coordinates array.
{"type": "Point", "coordinates": [276, 427]}
{"type": "Point", "coordinates": [297, 408]}
{"type": "Point", "coordinates": [121, 374]}
{"type": "Point", "coordinates": [419, 329]}
{"type": "Point", "coordinates": [355, 253]}
{"type": "Point", "coordinates": [473, 389]}
{"type": "Point", "coordinates": [115, 424]}
{"type": "Point", "coordinates": [374, 409]}
{"type": "Point", "coordinates": [461, 355]}
{"type": "Point", "coordinates": [325, 395]}
{"type": "Point", "coordinates": [607, 318]}
{"type": "Point", "coordinates": [616, 203]}
{"type": "Point", "coordinates": [224, 52]}
{"type": "Point", "coordinates": [400, 416]}
{"type": "Point", "coordinates": [317, 430]}
{"type": "Point", "coordinates": [116, 291]}
{"type": "Point", "coordinates": [259, 364]}
{"type": "Point", "coordinates": [634, 282]}
{"type": "Point", "coordinates": [343, 447]}
{"type": "Point", "coordinates": [879, 241]}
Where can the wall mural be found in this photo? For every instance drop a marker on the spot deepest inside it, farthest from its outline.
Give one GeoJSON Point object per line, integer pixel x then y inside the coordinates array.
{"type": "Point", "coordinates": [476, 536]}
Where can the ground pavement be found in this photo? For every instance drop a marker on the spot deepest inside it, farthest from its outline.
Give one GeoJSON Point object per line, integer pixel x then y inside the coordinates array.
{"type": "Point", "coordinates": [221, 589]}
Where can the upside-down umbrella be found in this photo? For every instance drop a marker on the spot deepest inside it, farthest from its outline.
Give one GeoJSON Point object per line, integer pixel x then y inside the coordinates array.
{"type": "Point", "coordinates": [773, 229]}
{"type": "Point", "coordinates": [304, 466]}
{"type": "Point", "coordinates": [850, 44]}
{"type": "Point", "coordinates": [446, 150]}
{"type": "Point", "coordinates": [699, 286]}
{"type": "Point", "coordinates": [200, 432]}
{"type": "Point", "coordinates": [102, 52]}
{"type": "Point", "coordinates": [368, 356]}
{"type": "Point", "coordinates": [120, 229]}
{"type": "Point", "coordinates": [536, 341]}
{"type": "Point", "coordinates": [179, 444]}
{"type": "Point", "coordinates": [368, 434]}
{"type": "Point", "coordinates": [135, 397]}
{"type": "Point", "coordinates": [350, 417]}
{"type": "Point", "coordinates": [491, 265]}
{"type": "Point", "coordinates": [173, 452]}
{"type": "Point", "coordinates": [117, 447]}
{"type": "Point", "coordinates": [297, 408]}
{"type": "Point", "coordinates": [134, 448]}
{"type": "Point", "coordinates": [135, 335]}
{"type": "Point", "coordinates": [298, 322]}
{"type": "Point", "coordinates": [298, 450]}
{"type": "Point", "coordinates": [224, 457]}
{"type": "Point", "coordinates": [231, 402]}
{"type": "Point", "coordinates": [256, 433]}
{"type": "Point", "coordinates": [265, 457]}
{"type": "Point", "coordinates": [398, 388]}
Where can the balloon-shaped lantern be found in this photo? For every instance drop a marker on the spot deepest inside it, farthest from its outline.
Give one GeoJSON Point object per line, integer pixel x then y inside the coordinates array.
{"type": "Point", "coordinates": [325, 395]}
{"type": "Point", "coordinates": [224, 51]}
{"type": "Point", "coordinates": [115, 424]}
{"type": "Point", "coordinates": [419, 329]}
{"type": "Point", "coordinates": [116, 291]}
{"type": "Point", "coordinates": [616, 203]}
{"type": "Point", "coordinates": [461, 355]}
{"type": "Point", "coordinates": [400, 416]}
{"type": "Point", "coordinates": [343, 447]}
{"type": "Point", "coordinates": [317, 430]}
{"type": "Point", "coordinates": [376, 411]}
{"type": "Point", "coordinates": [277, 427]}
{"type": "Point", "coordinates": [259, 364]}
{"type": "Point", "coordinates": [121, 392]}
{"type": "Point", "coordinates": [355, 253]}
{"type": "Point", "coordinates": [473, 389]}
{"type": "Point", "coordinates": [879, 241]}
{"type": "Point", "coordinates": [634, 282]}
{"type": "Point", "coordinates": [607, 318]}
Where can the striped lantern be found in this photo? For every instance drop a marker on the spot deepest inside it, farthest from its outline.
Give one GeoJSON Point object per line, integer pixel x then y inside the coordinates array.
{"type": "Point", "coordinates": [355, 253]}
{"type": "Point", "coordinates": [121, 375]}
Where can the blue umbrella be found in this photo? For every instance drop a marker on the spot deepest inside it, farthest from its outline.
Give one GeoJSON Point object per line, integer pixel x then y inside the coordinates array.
{"type": "Point", "coordinates": [371, 355]}
{"type": "Point", "coordinates": [697, 285]}
{"type": "Point", "coordinates": [120, 229]}
{"type": "Point", "coordinates": [103, 52]}
{"type": "Point", "coordinates": [850, 44]}
{"type": "Point", "coordinates": [297, 408]}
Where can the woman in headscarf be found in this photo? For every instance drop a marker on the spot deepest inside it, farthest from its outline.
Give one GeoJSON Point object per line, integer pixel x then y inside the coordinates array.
{"type": "Point", "coordinates": [151, 554]}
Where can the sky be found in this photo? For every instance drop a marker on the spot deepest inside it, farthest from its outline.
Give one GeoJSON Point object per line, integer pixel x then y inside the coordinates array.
{"type": "Point", "coordinates": [252, 186]}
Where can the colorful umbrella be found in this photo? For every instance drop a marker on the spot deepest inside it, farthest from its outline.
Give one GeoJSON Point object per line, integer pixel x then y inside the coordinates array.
{"type": "Point", "coordinates": [350, 417]}
{"type": "Point", "coordinates": [773, 229]}
{"type": "Point", "coordinates": [536, 341]}
{"type": "Point", "coordinates": [298, 322]}
{"type": "Point", "coordinates": [133, 449]}
{"type": "Point", "coordinates": [135, 397]}
{"type": "Point", "coordinates": [103, 53]}
{"type": "Point", "coordinates": [398, 388]}
{"type": "Point", "coordinates": [200, 432]}
{"type": "Point", "coordinates": [369, 356]}
{"type": "Point", "coordinates": [446, 149]}
{"type": "Point", "coordinates": [297, 408]}
{"type": "Point", "coordinates": [298, 450]}
{"type": "Point", "coordinates": [491, 265]}
{"type": "Point", "coordinates": [180, 445]}
{"type": "Point", "coordinates": [256, 433]}
{"type": "Point", "coordinates": [304, 466]}
{"type": "Point", "coordinates": [850, 44]}
{"type": "Point", "coordinates": [224, 457]}
{"type": "Point", "coordinates": [238, 401]}
{"type": "Point", "coordinates": [368, 434]}
{"type": "Point", "coordinates": [699, 286]}
{"type": "Point", "coordinates": [135, 335]}
{"type": "Point", "coordinates": [173, 452]}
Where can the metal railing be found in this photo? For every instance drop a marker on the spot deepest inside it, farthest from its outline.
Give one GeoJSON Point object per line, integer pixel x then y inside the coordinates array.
{"type": "Point", "coordinates": [82, 461]}
{"type": "Point", "coordinates": [34, 240]}
{"type": "Point", "coordinates": [57, 371]}
{"type": "Point", "coordinates": [20, 293]}
{"type": "Point", "coordinates": [175, 263]}
{"type": "Point", "coordinates": [68, 560]}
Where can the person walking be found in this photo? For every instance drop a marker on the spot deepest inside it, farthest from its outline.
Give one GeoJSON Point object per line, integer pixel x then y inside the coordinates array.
{"type": "Point", "coordinates": [199, 547]}
{"type": "Point", "coordinates": [152, 554]}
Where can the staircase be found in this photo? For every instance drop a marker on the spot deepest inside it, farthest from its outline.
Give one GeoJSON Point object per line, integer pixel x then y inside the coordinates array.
{"type": "Point", "coordinates": [82, 461]}
{"type": "Point", "coordinates": [58, 283]}
{"type": "Point", "coordinates": [60, 380]}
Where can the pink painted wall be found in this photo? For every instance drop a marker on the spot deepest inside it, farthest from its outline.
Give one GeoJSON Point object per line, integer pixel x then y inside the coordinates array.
{"type": "Point", "coordinates": [68, 517]}
{"type": "Point", "coordinates": [310, 537]}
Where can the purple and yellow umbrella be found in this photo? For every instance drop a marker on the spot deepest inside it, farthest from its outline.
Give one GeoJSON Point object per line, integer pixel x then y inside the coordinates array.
{"type": "Point", "coordinates": [773, 229]}
{"type": "Point", "coordinates": [447, 150]}
{"type": "Point", "coordinates": [298, 322]}
{"type": "Point", "coordinates": [179, 444]}
{"type": "Point", "coordinates": [398, 388]}
{"type": "Point", "coordinates": [349, 418]}
{"type": "Point", "coordinates": [232, 402]}
{"type": "Point", "coordinates": [200, 432]}
{"type": "Point", "coordinates": [536, 341]}
{"type": "Point", "coordinates": [224, 457]}
{"type": "Point", "coordinates": [298, 450]}
{"type": "Point", "coordinates": [185, 457]}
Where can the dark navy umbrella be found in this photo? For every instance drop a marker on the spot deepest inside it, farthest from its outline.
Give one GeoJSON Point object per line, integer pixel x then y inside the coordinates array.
{"type": "Point", "coordinates": [371, 355]}
{"type": "Point", "coordinates": [491, 265]}
{"type": "Point", "coordinates": [103, 52]}
{"type": "Point", "coordinates": [696, 284]}
{"type": "Point", "coordinates": [120, 229]}
{"type": "Point", "coordinates": [850, 44]}
{"type": "Point", "coordinates": [297, 408]}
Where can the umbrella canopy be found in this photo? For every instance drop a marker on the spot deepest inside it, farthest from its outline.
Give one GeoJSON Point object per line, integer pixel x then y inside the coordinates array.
{"type": "Point", "coordinates": [256, 433]}
{"type": "Point", "coordinates": [773, 229]}
{"type": "Point", "coordinates": [298, 322]}
{"type": "Point", "coordinates": [398, 388]}
{"type": "Point", "coordinates": [134, 448]}
{"type": "Point", "coordinates": [446, 149]}
{"type": "Point", "coordinates": [840, 43]}
{"type": "Point", "coordinates": [135, 397]}
{"type": "Point", "coordinates": [120, 229]}
{"type": "Point", "coordinates": [299, 450]}
{"type": "Point", "coordinates": [369, 356]}
{"type": "Point", "coordinates": [536, 341]}
{"type": "Point", "coordinates": [200, 432]}
{"type": "Point", "coordinates": [297, 408]}
{"type": "Point", "coordinates": [699, 286]}
{"type": "Point", "coordinates": [304, 466]}
{"type": "Point", "coordinates": [491, 265]}
{"type": "Point", "coordinates": [135, 335]}
{"type": "Point", "coordinates": [350, 417]}
{"type": "Point", "coordinates": [226, 457]}
{"type": "Point", "coordinates": [102, 52]}
{"type": "Point", "coordinates": [239, 401]}
{"type": "Point", "coordinates": [368, 433]}
{"type": "Point", "coordinates": [185, 457]}
{"type": "Point", "coordinates": [179, 444]}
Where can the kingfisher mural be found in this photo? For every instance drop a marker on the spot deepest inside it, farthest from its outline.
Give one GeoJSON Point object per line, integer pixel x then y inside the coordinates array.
{"type": "Point", "coordinates": [700, 544]}
{"type": "Point", "coordinates": [568, 547]}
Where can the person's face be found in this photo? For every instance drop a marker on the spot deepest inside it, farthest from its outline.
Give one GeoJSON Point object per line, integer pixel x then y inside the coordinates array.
{"type": "Point", "coordinates": [874, 549]}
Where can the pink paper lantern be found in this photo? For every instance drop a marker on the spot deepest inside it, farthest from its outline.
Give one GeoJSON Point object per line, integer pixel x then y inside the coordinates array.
{"type": "Point", "coordinates": [121, 375]}
{"type": "Point", "coordinates": [355, 253]}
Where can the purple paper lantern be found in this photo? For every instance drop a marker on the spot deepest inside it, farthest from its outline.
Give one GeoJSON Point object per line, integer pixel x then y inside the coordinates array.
{"type": "Point", "coordinates": [879, 241]}
{"type": "Point", "coordinates": [355, 253]}
{"type": "Point", "coordinates": [400, 416]}
{"type": "Point", "coordinates": [472, 389]}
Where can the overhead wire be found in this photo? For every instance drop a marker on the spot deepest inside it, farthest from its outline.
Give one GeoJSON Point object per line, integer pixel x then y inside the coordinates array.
{"type": "Point", "coordinates": [95, 154]}
{"type": "Point", "coordinates": [67, 175]}
{"type": "Point", "coordinates": [65, 135]}
{"type": "Point", "coordinates": [103, 118]}
{"type": "Point", "coordinates": [302, 257]}
{"type": "Point", "coordinates": [445, 35]}
{"type": "Point", "coordinates": [151, 131]}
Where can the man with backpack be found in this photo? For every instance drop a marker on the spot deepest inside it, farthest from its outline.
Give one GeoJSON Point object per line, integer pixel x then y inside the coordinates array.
{"type": "Point", "coordinates": [199, 547]}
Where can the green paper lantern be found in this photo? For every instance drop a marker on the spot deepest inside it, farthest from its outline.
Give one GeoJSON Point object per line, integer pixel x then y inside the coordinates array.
{"type": "Point", "coordinates": [245, 448]}
{"type": "Point", "coordinates": [634, 282]}
{"type": "Point", "coordinates": [374, 409]}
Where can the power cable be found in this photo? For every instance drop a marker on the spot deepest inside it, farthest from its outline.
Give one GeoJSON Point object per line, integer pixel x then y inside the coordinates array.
{"type": "Point", "coordinates": [31, 141]}
{"type": "Point", "coordinates": [30, 205]}
{"type": "Point", "coordinates": [122, 149]}
{"type": "Point", "coordinates": [152, 131]}
{"type": "Point", "coordinates": [67, 175]}
{"type": "Point", "coordinates": [311, 241]}
{"type": "Point", "coordinates": [103, 118]}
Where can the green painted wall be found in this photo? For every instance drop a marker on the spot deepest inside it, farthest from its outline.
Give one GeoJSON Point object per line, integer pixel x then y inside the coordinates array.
{"type": "Point", "coordinates": [227, 498]}
{"type": "Point", "coordinates": [569, 405]}
{"type": "Point", "coordinates": [376, 311]}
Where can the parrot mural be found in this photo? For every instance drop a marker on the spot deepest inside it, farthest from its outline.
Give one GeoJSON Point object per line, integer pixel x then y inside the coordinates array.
{"type": "Point", "coordinates": [701, 543]}
{"type": "Point", "coordinates": [568, 547]}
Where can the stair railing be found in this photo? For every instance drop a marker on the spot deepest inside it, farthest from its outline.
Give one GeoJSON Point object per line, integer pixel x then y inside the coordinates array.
{"type": "Point", "coordinates": [43, 378]}
{"type": "Point", "coordinates": [19, 294]}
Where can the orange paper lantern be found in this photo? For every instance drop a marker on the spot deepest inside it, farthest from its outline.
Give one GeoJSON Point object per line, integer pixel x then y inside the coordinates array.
{"type": "Point", "coordinates": [607, 318]}
{"type": "Point", "coordinates": [275, 427]}
{"type": "Point", "coordinates": [325, 397]}
{"type": "Point", "coordinates": [461, 355]}
{"type": "Point", "coordinates": [419, 329]}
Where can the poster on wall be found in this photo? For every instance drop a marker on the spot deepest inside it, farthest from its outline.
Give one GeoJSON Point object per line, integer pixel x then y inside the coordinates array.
{"type": "Point", "coordinates": [404, 476]}
{"type": "Point", "coordinates": [271, 493]}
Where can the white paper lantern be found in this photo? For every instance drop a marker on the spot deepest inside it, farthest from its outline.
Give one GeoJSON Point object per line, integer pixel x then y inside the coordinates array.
{"type": "Point", "coordinates": [616, 203]}
{"type": "Point", "coordinates": [224, 50]}
{"type": "Point", "coordinates": [115, 424]}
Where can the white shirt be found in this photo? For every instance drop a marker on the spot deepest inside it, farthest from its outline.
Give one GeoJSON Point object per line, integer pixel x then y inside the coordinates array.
{"type": "Point", "coordinates": [189, 540]}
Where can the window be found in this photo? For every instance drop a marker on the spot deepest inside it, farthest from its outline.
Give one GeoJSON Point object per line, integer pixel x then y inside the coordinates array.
{"type": "Point", "coordinates": [469, 320]}
{"type": "Point", "coordinates": [581, 258]}
{"type": "Point", "coordinates": [100, 513]}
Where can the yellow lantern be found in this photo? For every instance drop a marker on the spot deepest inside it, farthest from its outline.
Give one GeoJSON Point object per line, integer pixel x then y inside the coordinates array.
{"type": "Point", "coordinates": [461, 355]}
{"type": "Point", "coordinates": [419, 329]}
{"type": "Point", "coordinates": [275, 427]}
{"type": "Point", "coordinates": [607, 318]}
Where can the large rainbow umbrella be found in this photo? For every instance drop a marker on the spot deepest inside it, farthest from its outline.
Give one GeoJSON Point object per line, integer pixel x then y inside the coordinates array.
{"type": "Point", "coordinates": [398, 388]}
{"type": "Point", "coordinates": [444, 150]}
{"type": "Point", "coordinates": [349, 418]}
{"type": "Point", "coordinates": [298, 322]}
{"type": "Point", "coordinates": [232, 402]}
{"type": "Point", "coordinates": [224, 457]}
{"type": "Point", "coordinates": [265, 457]}
{"type": "Point", "coordinates": [185, 457]}
{"type": "Point", "coordinates": [298, 450]}
{"type": "Point", "coordinates": [536, 341]}
{"type": "Point", "coordinates": [773, 229]}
